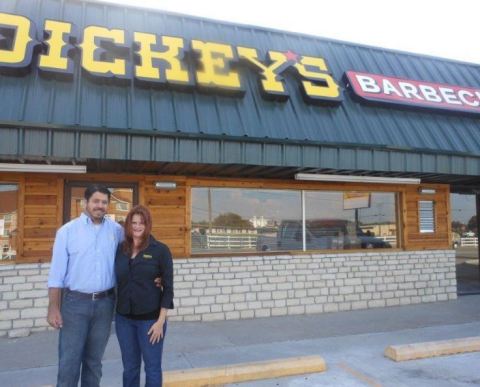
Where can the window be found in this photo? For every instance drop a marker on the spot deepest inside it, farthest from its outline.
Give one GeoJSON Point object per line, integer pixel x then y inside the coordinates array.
{"type": "Point", "coordinates": [8, 221]}
{"type": "Point", "coordinates": [123, 197]}
{"type": "Point", "coordinates": [231, 219]}
{"type": "Point", "coordinates": [249, 220]}
{"type": "Point", "coordinates": [426, 216]}
{"type": "Point", "coordinates": [122, 206]}
{"type": "Point", "coordinates": [350, 220]}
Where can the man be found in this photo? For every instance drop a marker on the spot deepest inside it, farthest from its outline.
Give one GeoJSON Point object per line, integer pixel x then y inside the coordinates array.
{"type": "Point", "coordinates": [81, 289]}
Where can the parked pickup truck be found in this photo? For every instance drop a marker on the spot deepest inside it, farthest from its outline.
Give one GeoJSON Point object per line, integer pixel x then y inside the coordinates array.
{"type": "Point", "coordinates": [321, 234]}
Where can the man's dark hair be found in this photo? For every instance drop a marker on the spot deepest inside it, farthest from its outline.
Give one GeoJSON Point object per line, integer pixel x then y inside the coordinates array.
{"type": "Point", "coordinates": [92, 188]}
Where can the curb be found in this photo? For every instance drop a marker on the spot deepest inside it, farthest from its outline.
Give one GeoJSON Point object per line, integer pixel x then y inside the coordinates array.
{"type": "Point", "coordinates": [244, 372]}
{"type": "Point", "coordinates": [432, 348]}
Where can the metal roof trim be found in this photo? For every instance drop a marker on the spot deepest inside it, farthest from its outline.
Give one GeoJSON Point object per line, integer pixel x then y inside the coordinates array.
{"type": "Point", "coordinates": [229, 138]}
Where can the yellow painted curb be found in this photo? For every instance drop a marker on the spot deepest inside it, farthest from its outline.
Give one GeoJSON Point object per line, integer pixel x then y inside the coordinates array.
{"type": "Point", "coordinates": [244, 371]}
{"type": "Point", "coordinates": [432, 348]}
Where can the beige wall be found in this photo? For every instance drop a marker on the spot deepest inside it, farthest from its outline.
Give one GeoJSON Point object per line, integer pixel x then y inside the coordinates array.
{"type": "Point", "coordinates": [260, 286]}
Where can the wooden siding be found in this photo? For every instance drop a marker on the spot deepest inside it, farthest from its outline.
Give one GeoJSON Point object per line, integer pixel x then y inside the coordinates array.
{"type": "Point", "coordinates": [40, 208]}
{"type": "Point", "coordinates": [169, 213]}
{"type": "Point", "coordinates": [408, 229]}
{"type": "Point", "coordinates": [440, 238]}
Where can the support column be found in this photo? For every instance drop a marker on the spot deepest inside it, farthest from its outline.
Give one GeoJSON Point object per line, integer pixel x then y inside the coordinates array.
{"type": "Point", "coordinates": [477, 197]}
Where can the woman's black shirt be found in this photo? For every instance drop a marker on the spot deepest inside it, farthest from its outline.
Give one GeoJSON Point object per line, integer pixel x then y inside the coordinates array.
{"type": "Point", "coordinates": [137, 295]}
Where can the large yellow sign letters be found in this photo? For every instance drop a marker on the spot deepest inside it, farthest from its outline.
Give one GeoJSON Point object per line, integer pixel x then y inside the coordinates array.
{"type": "Point", "coordinates": [154, 60]}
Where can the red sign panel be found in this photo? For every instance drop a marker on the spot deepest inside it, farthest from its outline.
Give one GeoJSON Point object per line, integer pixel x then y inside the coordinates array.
{"type": "Point", "coordinates": [407, 92]}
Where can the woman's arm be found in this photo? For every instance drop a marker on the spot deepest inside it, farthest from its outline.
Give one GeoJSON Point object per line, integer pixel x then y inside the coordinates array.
{"type": "Point", "coordinates": [166, 262]}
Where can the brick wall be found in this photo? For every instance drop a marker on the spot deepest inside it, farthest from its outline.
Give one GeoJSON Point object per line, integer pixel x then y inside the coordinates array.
{"type": "Point", "coordinates": [209, 289]}
{"type": "Point", "coordinates": [23, 299]}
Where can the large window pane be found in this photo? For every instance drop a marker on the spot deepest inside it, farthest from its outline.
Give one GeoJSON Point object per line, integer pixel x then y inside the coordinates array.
{"type": "Point", "coordinates": [350, 220]}
{"type": "Point", "coordinates": [8, 221]}
{"type": "Point", "coordinates": [243, 220]}
{"type": "Point", "coordinates": [236, 220]}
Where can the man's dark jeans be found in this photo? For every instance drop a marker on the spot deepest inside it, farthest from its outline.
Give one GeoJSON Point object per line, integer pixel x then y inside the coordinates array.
{"type": "Point", "coordinates": [83, 338]}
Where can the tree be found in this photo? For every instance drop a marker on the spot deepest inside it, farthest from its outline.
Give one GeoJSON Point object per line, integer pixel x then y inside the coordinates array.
{"type": "Point", "coordinates": [472, 224]}
{"type": "Point", "coordinates": [458, 227]}
{"type": "Point", "coordinates": [231, 220]}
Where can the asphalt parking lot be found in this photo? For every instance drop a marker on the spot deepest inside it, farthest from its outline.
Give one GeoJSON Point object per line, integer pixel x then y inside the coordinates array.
{"type": "Point", "coordinates": [351, 343]}
{"type": "Point", "coordinates": [358, 361]}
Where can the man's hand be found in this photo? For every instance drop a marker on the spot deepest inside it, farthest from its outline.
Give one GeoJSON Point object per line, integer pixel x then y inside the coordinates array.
{"type": "Point", "coordinates": [54, 317]}
{"type": "Point", "coordinates": [158, 282]}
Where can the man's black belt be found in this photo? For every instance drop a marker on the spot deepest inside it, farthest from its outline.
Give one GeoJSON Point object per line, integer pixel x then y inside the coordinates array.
{"type": "Point", "coordinates": [92, 296]}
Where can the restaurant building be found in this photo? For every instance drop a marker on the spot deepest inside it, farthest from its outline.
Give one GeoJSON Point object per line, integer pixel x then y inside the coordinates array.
{"type": "Point", "coordinates": [288, 174]}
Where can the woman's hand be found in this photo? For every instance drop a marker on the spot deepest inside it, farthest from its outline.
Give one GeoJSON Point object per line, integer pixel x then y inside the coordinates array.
{"type": "Point", "coordinates": [156, 331]}
{"type": "Point", "coordinates": [158, 282]}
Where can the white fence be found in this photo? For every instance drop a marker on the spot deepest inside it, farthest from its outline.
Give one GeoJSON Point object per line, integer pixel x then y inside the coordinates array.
{"type": "Point", "coordinates": [231, 241]}
{"type": "Point", "coordinates": [469, 241]}
{"type": "Point", "coordinates": [245, 242]}
{"type": "Point", "coordinates": [392, 239]}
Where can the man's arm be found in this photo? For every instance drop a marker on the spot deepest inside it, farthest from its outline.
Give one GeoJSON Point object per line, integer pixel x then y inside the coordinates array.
{"type": "Point", "coordinates": [56, 277]}
{"type": "Point", "coordinates": [54, 316]}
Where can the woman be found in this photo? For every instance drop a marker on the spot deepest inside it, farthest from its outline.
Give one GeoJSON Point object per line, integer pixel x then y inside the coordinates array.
{"type": "Point", "coordinates": [141, 319]}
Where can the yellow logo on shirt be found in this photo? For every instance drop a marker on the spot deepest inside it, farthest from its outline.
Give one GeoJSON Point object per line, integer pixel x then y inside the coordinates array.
{"type": "Point", "coordinates": [147, 256]}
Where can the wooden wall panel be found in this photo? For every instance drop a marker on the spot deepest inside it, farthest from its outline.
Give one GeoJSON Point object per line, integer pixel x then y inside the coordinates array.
{"type": "Point", "coordinates": [188, 222]}
{"type": "Point", "coordinates": [169, 212]}
{"type": "Point", "coordinates": [41, 208]}
{"type": "Point", "coordinates": [20, 217]}
{"type": "Point", "coordinates": [41, 204]}
{"type": "Point", "coordinates": [440, 239]}
{"type": "Point", "coordinates": [409, 196]}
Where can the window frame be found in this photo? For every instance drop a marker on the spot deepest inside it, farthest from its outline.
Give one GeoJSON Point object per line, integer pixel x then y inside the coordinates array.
{"type": "Point", "coordinates": [67, 192]}
{"type": "Point", "coordinates": [19, 210]}
{"type": "Point", "coordinates": [433, 216]}
{"type": "Point", "coordinates": [399, 193]}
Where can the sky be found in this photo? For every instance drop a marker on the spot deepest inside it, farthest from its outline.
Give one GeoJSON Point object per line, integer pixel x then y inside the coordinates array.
{"type": "Point", "coordinates": [443, 28]}
{"type": "Point", "coordinates": [462, 207]}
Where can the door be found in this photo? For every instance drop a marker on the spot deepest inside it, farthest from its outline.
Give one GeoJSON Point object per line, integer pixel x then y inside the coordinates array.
{"type": "Point", "coordinates": [465, 242]}
{"type": "Point", "coordinates": [123, 197]}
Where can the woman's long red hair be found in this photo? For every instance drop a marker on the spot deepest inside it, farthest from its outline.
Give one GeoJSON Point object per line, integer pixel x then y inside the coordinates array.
{"type": "Point", "coordinates": [144, 213]}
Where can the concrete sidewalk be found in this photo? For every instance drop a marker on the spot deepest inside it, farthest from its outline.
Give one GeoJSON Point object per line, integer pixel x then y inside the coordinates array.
{"type": "Point", "coordinates": [351, 343]}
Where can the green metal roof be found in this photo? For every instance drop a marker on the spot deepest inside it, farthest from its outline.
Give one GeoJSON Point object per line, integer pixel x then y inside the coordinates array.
{"type": "Point", "coordinates": [86, 120]}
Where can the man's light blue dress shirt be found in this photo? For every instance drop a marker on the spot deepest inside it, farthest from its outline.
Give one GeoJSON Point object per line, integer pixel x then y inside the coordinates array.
{"type": "Point", "coordinates": [84, 255]}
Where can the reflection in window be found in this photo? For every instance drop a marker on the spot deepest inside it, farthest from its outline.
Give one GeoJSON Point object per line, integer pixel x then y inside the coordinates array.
{"type": "Point", "coordinates": [350, 220]}
{"type": "Point", "coordinates": [8, 221]}
{"type": "Point", "coordinates": [248, 220]}
{"type": "Point", "coordinates": [229, 219]}
{"type": "Point", "coordinates": [121, 201]}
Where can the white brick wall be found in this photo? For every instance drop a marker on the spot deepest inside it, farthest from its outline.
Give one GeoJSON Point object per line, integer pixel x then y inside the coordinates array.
{"type": "Point", "coordinates": [261, 286]}
{"type": "Point", "coordinates": [23, 299]}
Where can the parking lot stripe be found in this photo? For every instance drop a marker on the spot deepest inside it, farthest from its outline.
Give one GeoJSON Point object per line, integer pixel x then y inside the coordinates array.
{"type": "Point", "coordinates": [359, 375]}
